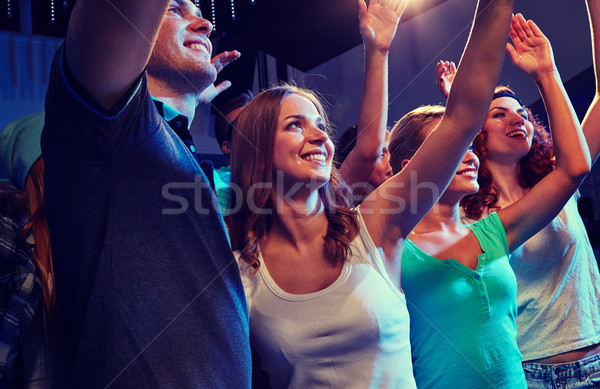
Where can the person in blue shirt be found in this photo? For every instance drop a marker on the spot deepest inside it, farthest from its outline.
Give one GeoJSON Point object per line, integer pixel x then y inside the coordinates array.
{"type": "Point", "coordinates": [147, 289]}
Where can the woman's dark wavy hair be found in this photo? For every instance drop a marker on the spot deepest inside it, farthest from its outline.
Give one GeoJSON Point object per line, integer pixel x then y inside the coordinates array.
{"type": "Point", "coordinates": [532, 168]}
{"type": "Point", "coordinates": [252, 164]}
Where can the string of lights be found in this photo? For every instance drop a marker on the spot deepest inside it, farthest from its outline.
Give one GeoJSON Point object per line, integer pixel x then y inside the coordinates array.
{"type": "Point", "coordinates": [65, 4]}
{"type": "Point", "coordinates": [213, 10]}
{"type": "Point", "coordinates": [52, 14]}
{"type": "Point", "coordinates": [214, 14]}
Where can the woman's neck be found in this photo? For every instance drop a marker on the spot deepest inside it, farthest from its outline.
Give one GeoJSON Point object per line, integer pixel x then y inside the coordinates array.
{"type": "Point", "coordinates": [444, 216]}
{"type": "Point", "coordinates": [506, 181]}
{"type": "Point", "coordinates": [299, 221]}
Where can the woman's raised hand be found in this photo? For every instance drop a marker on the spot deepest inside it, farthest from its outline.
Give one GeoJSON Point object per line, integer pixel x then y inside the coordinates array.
{"type": "Point", "coordinates": [531, 53]}
{"type": "Point", "coordinates": [445, 72]}
{"type": "Point", "coordinates": [379, 21]}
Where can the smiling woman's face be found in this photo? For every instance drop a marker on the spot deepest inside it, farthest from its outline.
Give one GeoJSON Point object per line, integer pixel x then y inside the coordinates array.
{"type": "Point", "coordinates": [509, 131]}
{"type": "Point", "coordinates": [303, 151]}
{"type": "Point", "coordinates": [464, 181]}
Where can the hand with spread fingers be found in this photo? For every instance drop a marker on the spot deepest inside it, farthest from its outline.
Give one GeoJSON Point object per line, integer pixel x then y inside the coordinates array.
{"type": "Point", "coordinates": [379, 21]}
{"type": "Point", "coordinates": [224, 59]}
{"type": "Point", "coordinates": [219, 62]}
{"type": "Point", "coordinates": [531, 53]}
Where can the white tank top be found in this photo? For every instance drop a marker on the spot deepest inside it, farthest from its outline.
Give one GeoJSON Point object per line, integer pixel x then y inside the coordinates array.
{"type": "Point", "coordinates": [352, 334]}
{"type": "Point", "coordinates": [558, 288]}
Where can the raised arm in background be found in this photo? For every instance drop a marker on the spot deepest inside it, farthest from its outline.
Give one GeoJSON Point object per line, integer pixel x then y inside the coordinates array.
{"type": "Point", "coordinates": [591, 121]}
{"type": "Point", "coordinates": [387, 216]}
{"type": "Point", "coordinates": [532, 54]}
{"type": "Point", "coordinates": [378, 26]}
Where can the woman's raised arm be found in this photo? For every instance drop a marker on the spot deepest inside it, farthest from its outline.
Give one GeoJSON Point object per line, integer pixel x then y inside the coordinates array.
{"type": "Point", "coordinates": [392, 211]}
{"type": "Point", "coordinates": [378, 24]}
{"type": "Point", "coordinates": [532, 54]}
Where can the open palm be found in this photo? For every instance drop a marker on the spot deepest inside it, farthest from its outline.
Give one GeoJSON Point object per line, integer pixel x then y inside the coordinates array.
{"type": "Point", "coordinates": [531, 53]}
{"type": "Point", "coordinates": [378, 22]}
{"type": "Point", "coordinates": [219, 62]}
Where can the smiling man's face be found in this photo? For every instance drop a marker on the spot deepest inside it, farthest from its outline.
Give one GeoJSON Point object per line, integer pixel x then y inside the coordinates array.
{"type": "Point", "coordinates": [182, 49]}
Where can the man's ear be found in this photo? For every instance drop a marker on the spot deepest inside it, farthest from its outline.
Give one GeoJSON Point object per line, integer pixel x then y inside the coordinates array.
{"type": "Point", "coordinates": [226, 147]}
{"type": "Point", "coordinates": [404, 162]}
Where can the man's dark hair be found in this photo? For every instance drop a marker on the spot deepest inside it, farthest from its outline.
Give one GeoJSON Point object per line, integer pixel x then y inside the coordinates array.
{"type": "Point", "coordinates": [344, 145]}
{"type": "Point", "coordinates": [223, 129]}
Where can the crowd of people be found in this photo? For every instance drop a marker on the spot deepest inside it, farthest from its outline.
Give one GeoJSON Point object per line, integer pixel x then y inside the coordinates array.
{"type": "Point", "coordinates": [444, 252]}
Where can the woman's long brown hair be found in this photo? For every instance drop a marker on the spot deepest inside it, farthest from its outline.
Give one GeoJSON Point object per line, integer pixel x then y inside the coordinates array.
{"type": "Point", "coordinates": [251, 171]}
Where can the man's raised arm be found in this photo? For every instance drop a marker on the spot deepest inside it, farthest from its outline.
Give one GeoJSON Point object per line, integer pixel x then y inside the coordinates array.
{"type": "Point", "coordinates": [109, 43]}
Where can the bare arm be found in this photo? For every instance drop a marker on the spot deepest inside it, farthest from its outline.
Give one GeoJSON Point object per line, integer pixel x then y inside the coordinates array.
{"type": "Point", "coordinates": [427, 175]}
{"type": "Point", "coordinates": [532, 54]}
{"type": "Point", "coordinates": [591, 121]}
{"type": "Point", "coordinates": [109, 44]}
{"type": "Point", "coordinates": [378, 24]}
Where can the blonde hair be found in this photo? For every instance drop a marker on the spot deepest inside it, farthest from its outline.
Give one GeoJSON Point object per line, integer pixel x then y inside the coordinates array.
{"type": "Point", "coordinates": [410, 132]}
